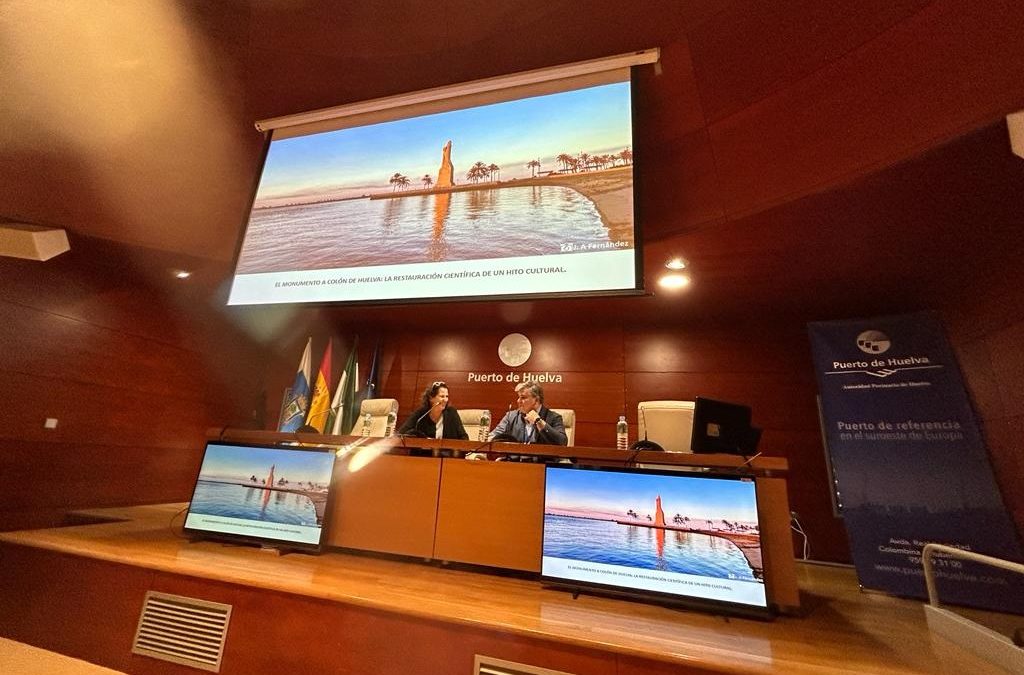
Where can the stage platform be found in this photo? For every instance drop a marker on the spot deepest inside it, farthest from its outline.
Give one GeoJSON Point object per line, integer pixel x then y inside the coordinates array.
{"type": "Point", "coordinates": [78, 590]}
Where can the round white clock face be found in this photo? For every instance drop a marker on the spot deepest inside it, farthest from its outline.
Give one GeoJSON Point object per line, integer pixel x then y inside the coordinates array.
{"type": "Point", "coordinates": [514, 349]}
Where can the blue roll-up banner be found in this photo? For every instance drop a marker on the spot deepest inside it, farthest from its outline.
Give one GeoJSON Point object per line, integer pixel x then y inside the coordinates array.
{"type": "Point", "coordinates": [909, 461]}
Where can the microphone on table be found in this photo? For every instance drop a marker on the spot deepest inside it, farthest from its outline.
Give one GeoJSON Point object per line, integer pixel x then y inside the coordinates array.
{"type": "Point", "coordinates": [645, 444]}
{"type": "Point", "coordinates": [415, 431]}
{"type": "Point", "coordinates": [420, 418]}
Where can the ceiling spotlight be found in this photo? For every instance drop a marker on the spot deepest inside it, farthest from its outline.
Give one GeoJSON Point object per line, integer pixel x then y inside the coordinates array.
{"type": "Point", "coordinates": [182, 274]}
{"type": "Point", "coordinates": [674, 282]}
{"type": "Point", "coordinates": [676, 263]}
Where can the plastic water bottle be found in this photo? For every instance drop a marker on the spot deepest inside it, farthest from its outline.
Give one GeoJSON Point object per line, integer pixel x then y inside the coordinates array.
{"type": "Point", "coordinates": [389, 428]}
{"type": "Point", "coordinates": [485, 425]}
{"type": "Point", "coordinates": [622, 434]}
{"type": "Point", "coordinates": [367, 421]}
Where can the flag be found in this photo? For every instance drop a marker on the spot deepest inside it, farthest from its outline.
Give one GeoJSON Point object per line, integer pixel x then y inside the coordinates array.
{"type": "Point", "coordinates": [333, 425]}
{"type": "Point", "coordinates": [370, 390]}
{"type": "Point", "coordinates": [298, 401]}
{"type": "Point", "coordinates": [320, 404]}
{"type": "Point", "coordinates": [346, 406]}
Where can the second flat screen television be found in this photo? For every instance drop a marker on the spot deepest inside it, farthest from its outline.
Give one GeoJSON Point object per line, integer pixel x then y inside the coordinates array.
{"type": "Point", "coordinates": [275, 496]}
{"type": "Point", "coordinates": [688, 539]}
{"type": "Point", "coordinates": [517, 198]}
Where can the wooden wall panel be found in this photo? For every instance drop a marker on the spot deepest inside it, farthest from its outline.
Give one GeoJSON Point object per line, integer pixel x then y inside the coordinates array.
{"type": "Point", "coordinates": [987, 332]}
{"type": "Point", "coordinates": [750, 50]}
{"type": "Point", "coordinates": [135, 371]}
{"type": "Point", "coordinates": [553, 349]}
{"type": "Point", "coordinates": [96, 349]}
{"type": "Point", "coordinates": [103, 415]}
{"type": "Point", "coordinates": [875, 106]}
{"type": "Point", "coordinates": [84, 608]}
{"type": "Point", "coordinates": [68, 474]}
{"type": "Point", "coordinates": [671, 97]}
{"type": "Point", "coordinates": [758, 348]}
{"type": "Point", "coordinates": [354, 641]}
{"type": "Point", "coordinates": [662, 208]}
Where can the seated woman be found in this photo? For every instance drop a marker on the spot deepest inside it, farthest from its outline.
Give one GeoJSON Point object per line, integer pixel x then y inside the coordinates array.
{"type": "Point", "coordinates": [435, 418]}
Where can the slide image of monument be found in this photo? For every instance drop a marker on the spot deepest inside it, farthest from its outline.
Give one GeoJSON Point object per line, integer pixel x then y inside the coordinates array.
{"type": "Point", "coordinates": [693, 526]}
{"type": "Point", "coordinates": [263, 484]}
{"type": "Point", "coordinates": [547, 175]}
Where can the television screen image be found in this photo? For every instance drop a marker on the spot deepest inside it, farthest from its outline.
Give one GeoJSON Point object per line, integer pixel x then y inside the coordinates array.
{"type": "Point", "coordinates": [685, 538]}
{"type": "Point", "coordinates": [515, 198]}
{"type": "Point", "coordinates": [261, 494]}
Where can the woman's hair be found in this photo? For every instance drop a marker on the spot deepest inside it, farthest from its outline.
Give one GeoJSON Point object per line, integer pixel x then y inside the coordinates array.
{"type": "Point", "coordinates": [431, 391]}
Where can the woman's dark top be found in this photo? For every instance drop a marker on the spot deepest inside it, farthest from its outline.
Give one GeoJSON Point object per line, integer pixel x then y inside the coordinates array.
{"type": "Point", "coordinates": [425, 426]}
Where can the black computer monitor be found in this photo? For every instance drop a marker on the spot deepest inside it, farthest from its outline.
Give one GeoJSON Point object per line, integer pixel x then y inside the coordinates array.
{"type": "Point", "coordinates": [720, 427]}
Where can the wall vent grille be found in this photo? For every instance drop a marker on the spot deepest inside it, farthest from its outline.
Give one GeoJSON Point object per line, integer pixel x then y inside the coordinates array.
{"type": "Point", "coordinates": [182, 630]}
{"type": "Point", "coordinates": [488, 665]}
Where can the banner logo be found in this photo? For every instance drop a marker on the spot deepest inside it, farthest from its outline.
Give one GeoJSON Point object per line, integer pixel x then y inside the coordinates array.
{"type": "Point", "coordinates": [873, 342]}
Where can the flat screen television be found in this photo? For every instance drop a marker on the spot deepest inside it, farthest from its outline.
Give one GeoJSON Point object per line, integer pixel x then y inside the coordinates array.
{"type": "Point", "coordinates": [526, 197]}
{"type": "Point", "coordinates": [269, 495]}
{"type": "Point", "coordinates": [720, 427]}
{"type": "Point", "coordinates": [690, 539]}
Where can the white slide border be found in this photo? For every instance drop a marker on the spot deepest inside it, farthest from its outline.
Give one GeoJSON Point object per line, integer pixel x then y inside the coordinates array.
{"type": "Point", "coordinates": [588, 271]}
{"type": "Point", "coordinates": [298, 534]}
{"type": "Point", "coordinates": [750, 593]}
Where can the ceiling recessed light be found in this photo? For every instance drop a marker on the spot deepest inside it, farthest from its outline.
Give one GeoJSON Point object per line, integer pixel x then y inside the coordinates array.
{"type": "Point", "coordinates": [676, 263]}
{"type": "Point", "coordinates": [182, 274]}
{"type": "Point", "coordinates": [674, 281]}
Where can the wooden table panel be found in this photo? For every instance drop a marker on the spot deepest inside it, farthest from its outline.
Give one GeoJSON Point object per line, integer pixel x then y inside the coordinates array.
{"type": "Point", "coordinates": [388, 505]}
{"type": "Point", "coordinates": [777, 543]}
{"type": "Point", "coordinates": [491, 513]}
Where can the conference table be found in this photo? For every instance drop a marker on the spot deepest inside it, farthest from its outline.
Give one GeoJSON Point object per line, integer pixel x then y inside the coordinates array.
{"type": "Point", "coordinates": [420, 497]}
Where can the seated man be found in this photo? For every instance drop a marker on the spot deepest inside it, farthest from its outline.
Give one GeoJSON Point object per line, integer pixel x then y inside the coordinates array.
{"type": "Point", "coordinates": [531, 422]}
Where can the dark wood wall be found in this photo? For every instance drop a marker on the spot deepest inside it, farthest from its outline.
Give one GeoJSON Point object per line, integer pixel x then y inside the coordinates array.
{"type": "Point", "coordinates": [986, 326]}
{"type": "Point", "coordinates": [133, 365]}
